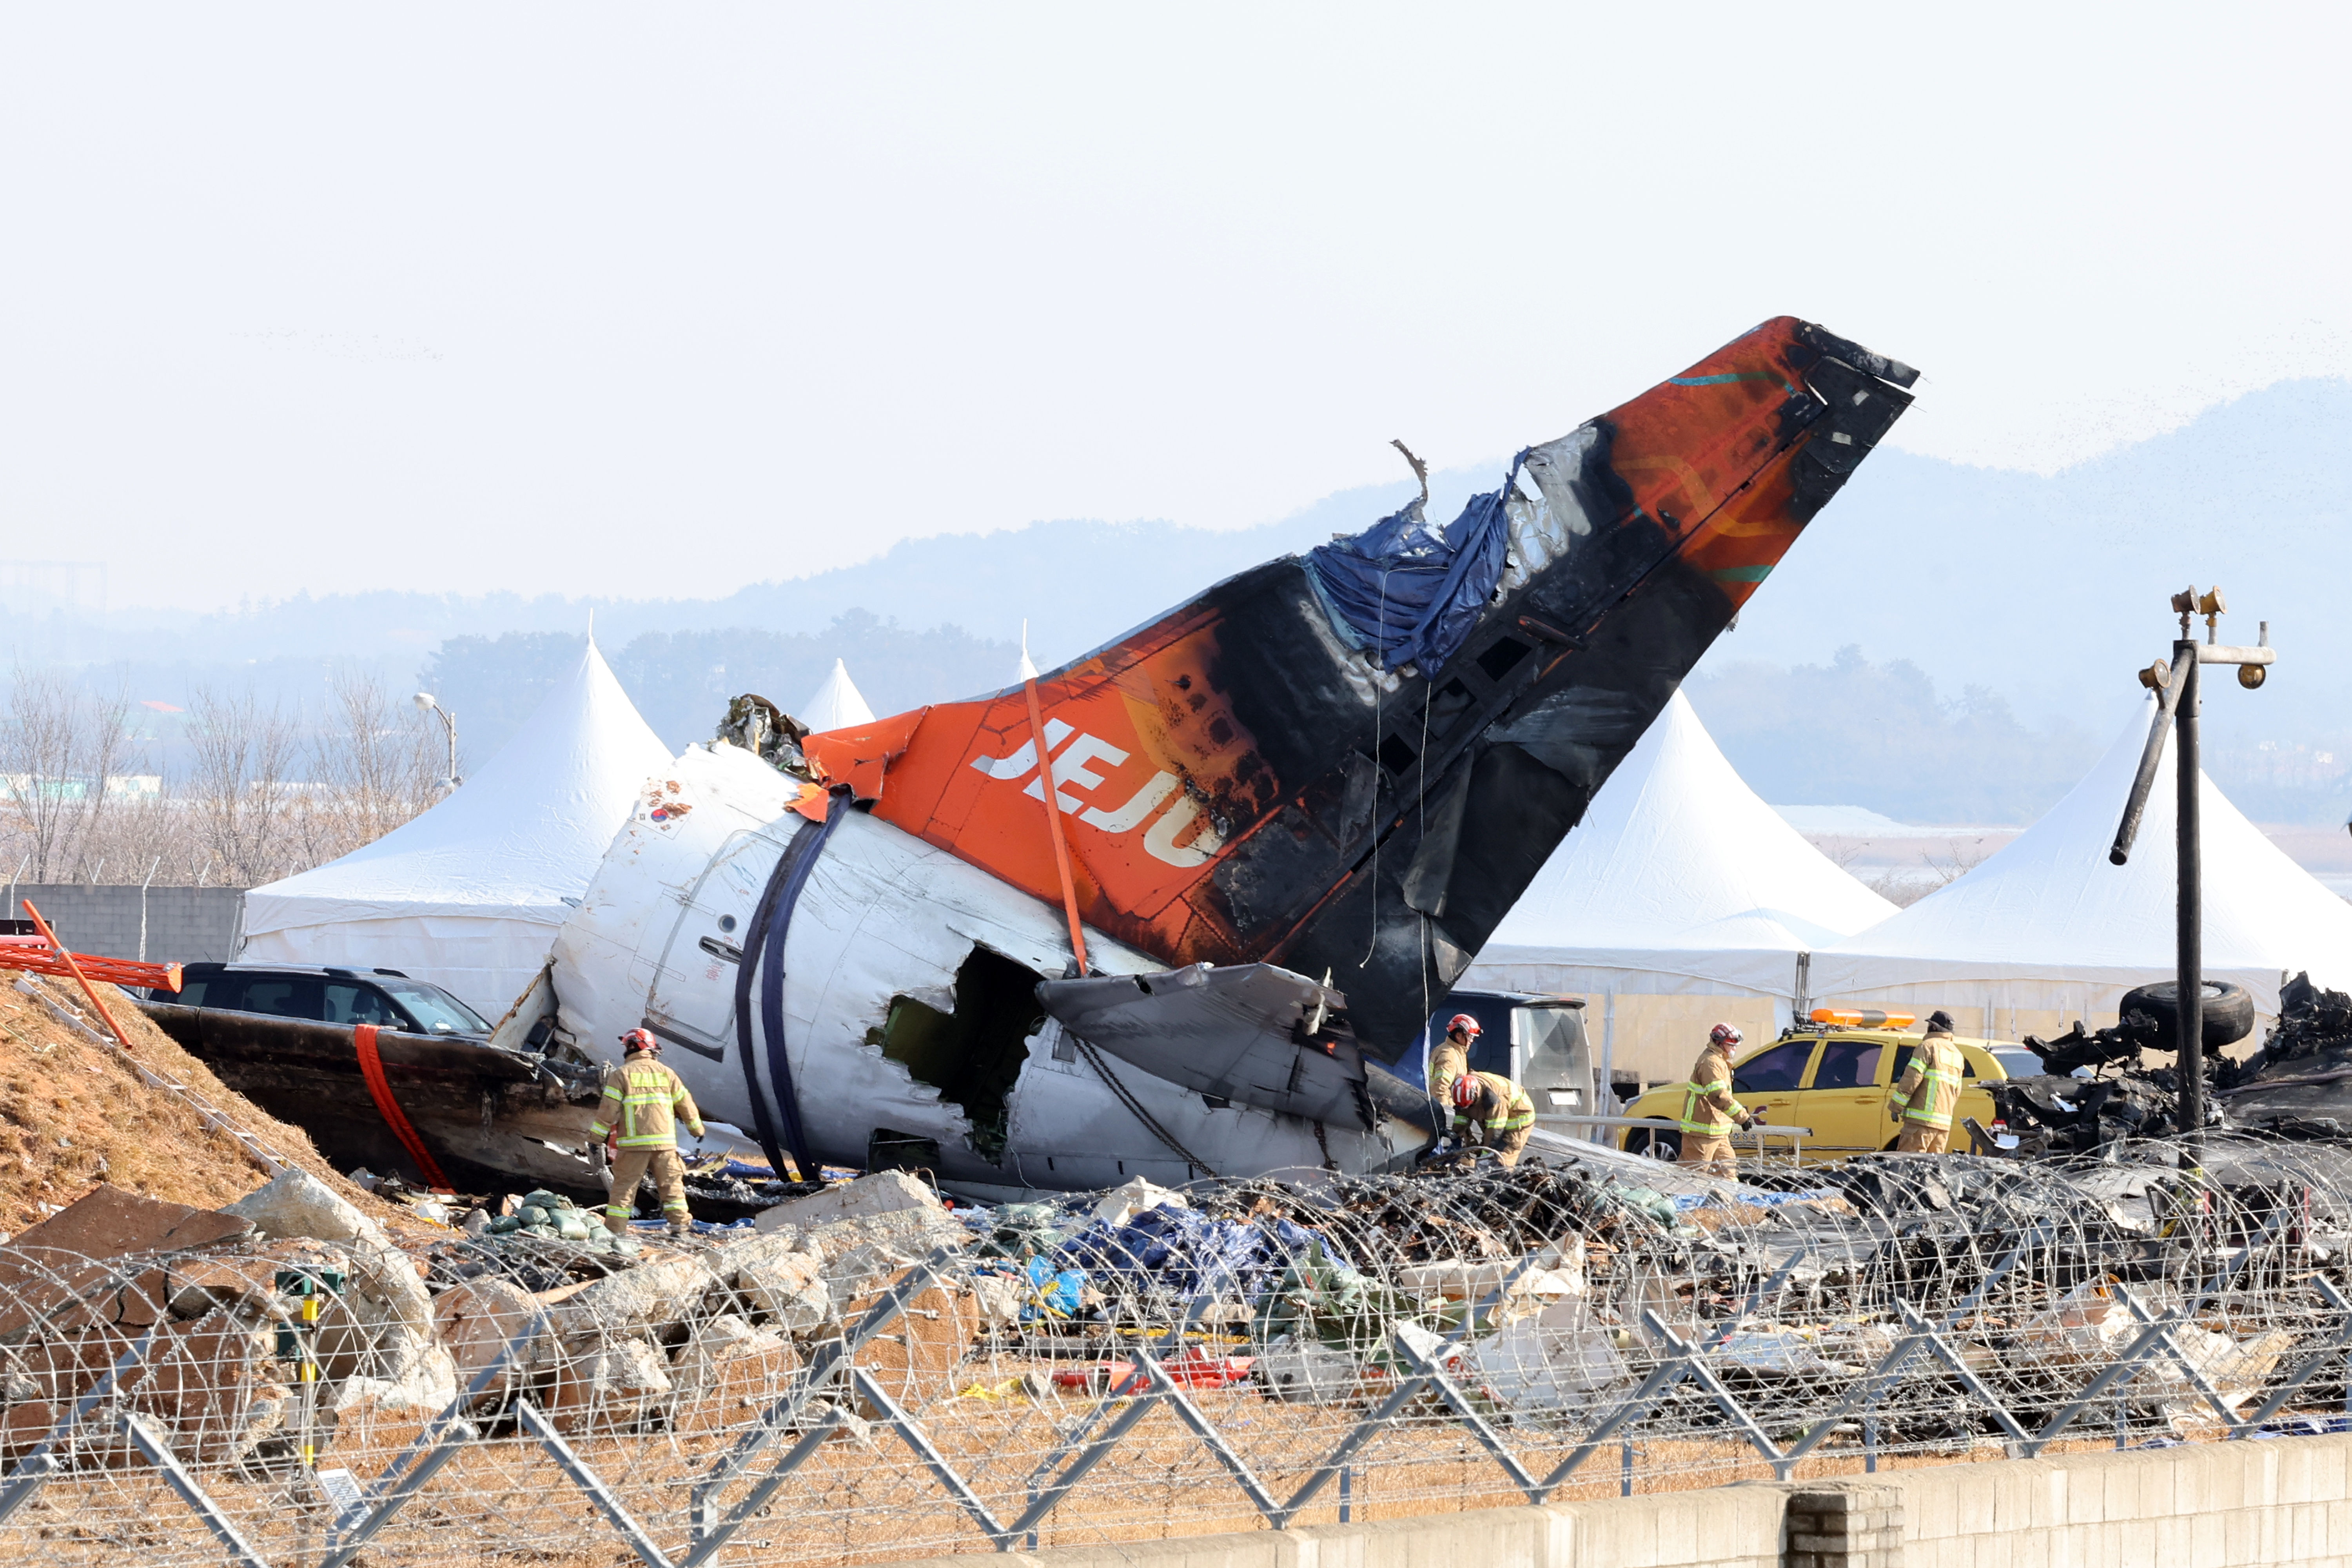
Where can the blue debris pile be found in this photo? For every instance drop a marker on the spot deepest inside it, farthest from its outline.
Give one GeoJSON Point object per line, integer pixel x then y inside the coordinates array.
{"type": "Point", "coordinates": [1165, 1255]}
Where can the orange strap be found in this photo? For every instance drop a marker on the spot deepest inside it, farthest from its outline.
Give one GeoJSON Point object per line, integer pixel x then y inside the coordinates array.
{"type": "Point", "coordinates": [75, 970]}
{"type": "Point", "coordinates": [371, 1068]}
{"type": "Point", "coordinates": [1054, 823]}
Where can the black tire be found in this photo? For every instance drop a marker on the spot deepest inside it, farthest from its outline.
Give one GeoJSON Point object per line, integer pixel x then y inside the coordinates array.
{"type": "Point", "coordinates": [2229, 1013]}
{"type": "Point", "coordinates": [1658, 1146]}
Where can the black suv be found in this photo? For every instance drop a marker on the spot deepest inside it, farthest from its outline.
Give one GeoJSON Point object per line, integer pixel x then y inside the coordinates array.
{"type": "Point", "coordinates": [385, 997]}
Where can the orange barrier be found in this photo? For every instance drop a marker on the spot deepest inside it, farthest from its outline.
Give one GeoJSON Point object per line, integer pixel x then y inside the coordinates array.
{"type": "Point", "coordinates": [75, 965]}
{"type": "Point", "coordinates": [35, 956]}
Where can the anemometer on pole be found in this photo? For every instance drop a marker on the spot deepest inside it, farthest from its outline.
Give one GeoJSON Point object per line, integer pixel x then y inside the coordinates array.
{"type": "Point", "coordinates": [2175, 686]}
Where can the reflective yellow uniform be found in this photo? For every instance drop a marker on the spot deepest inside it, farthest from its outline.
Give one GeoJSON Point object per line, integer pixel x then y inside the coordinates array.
{"type": "Point", "coordinates": [644, 1101]}
{"type": "Point", "coordinates": [1447, 1061]}
{"type": "Point", "coordinates": [1925, 1099]}
{"type": "Point", "coordinates": [1502, 1115]}
{"type": "Point", "coordinates": [1709, 1113]}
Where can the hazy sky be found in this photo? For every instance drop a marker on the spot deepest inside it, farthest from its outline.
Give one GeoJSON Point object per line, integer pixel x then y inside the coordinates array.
{"type": "Point", "coordinates": [596, 300]}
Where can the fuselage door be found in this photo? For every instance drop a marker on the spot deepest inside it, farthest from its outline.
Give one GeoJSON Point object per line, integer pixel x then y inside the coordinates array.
{"type": "Point", "coordinates": [692, 1002]}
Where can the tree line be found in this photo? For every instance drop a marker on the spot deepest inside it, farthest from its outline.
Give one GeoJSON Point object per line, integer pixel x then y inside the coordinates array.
{"type": "Point", "coordinates": [249, 792]}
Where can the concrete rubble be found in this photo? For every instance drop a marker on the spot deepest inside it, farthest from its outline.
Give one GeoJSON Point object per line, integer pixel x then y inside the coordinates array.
{"type": "Point", "coordinates": [603, 1354]}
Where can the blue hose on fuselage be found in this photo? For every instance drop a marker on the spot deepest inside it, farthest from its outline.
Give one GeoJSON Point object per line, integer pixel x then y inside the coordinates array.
{"type": "Point", "coordinates": [769, 924]}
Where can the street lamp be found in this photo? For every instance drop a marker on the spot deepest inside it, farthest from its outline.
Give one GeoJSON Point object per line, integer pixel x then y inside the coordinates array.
{"type": "Point", "coordinates": [2176, 701]}
{"type": "Point", "coordinates": [426, 703]}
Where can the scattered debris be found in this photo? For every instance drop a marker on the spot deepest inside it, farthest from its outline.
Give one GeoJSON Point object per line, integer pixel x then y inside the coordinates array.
{"type": "Point", "coordinates": [2297, 1085]}
{"type": "Point", "coordinates": [484, 1113]}
{"type": "Point", "coordinates": [774, 736]}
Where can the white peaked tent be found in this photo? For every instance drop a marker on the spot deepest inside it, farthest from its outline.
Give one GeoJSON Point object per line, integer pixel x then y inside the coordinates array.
{"type": "Point", "coordinates": [468, 895]}
{"type": "Point", "coordinates": [1680, 899]}
{"type": "Point", "coordinates": [2048, 930]}
{"type": "Point", "coordinates": [837, 705]}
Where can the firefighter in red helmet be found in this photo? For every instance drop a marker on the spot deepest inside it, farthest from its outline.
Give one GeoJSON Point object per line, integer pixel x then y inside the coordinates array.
{"type": "Point", "coordinates": [644, 1102]}
{"type": "Point", "coordinates": [1709, 1111]}
{"type": "Point", "coordinates": [1492, 1110]}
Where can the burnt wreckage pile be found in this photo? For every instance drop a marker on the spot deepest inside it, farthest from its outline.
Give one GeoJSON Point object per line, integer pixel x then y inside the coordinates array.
{"type": "Point", "coordinates": [2095, 1094]}
{"type": "Point", "coordinates": [910, 1370]}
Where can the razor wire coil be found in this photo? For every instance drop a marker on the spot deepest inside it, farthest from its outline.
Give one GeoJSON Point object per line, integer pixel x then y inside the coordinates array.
{"type": "Point", "coordinates": [1271, 1353]}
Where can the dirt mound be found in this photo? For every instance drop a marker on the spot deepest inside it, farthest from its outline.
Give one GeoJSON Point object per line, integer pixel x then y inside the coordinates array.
{"type": "Point", "coordinates": [73, 1114]}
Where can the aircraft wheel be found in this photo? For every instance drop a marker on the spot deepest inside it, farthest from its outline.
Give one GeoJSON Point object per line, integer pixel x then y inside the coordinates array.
{"type": "Point", "coordinates": [2228, 1012]}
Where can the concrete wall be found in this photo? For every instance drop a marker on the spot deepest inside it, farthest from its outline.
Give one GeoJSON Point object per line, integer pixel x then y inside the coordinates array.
{"type": "Point", "coordinates": [184, 925]}
{"type": "Point", "coordinates": [2242, 1505]}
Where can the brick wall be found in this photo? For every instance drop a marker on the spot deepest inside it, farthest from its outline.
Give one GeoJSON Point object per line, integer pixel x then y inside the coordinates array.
{"type": "Point", "coordinates": [184, 925]}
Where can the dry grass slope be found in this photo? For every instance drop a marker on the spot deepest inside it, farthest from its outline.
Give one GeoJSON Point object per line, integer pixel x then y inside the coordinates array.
{"type": "Point", "coordinates": [73, 1114]}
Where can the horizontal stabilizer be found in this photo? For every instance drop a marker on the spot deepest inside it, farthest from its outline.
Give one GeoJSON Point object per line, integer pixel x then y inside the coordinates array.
{"type": "Point", "coordinates": [1250, 1033]}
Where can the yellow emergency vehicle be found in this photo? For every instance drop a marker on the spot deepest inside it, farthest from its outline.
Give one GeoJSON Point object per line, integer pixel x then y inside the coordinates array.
{"type": "Point", "coordinates": [1833, 1074]}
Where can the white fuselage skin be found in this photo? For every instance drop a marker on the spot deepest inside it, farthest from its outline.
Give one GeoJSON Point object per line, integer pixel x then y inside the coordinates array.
{"type": "Point", "coordinates": [883, 915]}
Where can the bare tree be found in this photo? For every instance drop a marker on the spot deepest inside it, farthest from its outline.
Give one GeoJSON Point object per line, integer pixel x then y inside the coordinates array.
{"type": "Point", "coordinates": [58, 747]}
{"type": "Point", "coordinates": [1962, 859]}
{"type": "Point", "coordinates": [1899, 889]}
{"type": "Point", "coordinates": [1839, 850]}
{"type": "Point", "coordinates": [145, 831]}
{"type": "Point", "coordinates": [239, 796]}
{"type": "Point", "coordinates": [74, 804]}
{"type": "Point", "coordinates": [109, 753]}
{"type": "Point", "coordinates": [40, 755]}
{"type": "Point", "coordinates": [372, 765]}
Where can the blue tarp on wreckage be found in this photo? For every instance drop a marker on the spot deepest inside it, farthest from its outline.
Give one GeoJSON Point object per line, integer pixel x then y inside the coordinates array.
{"type": "Point", "coordinates": [1170, 1251]}
{"type": "Point", "coordinates": [1411, 591]}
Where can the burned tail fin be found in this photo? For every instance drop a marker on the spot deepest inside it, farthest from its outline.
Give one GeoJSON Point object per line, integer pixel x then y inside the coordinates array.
{"type": "Point", "coordinates": [1358, 760]}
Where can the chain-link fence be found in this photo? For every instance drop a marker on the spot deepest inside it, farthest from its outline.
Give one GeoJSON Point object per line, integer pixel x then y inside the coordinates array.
{"type": "Point", "coordinates": [1122, 1366]}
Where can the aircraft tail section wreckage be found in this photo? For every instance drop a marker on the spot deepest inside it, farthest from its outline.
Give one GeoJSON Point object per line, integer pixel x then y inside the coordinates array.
{"type": "Point", "coordinates": [886, 944]}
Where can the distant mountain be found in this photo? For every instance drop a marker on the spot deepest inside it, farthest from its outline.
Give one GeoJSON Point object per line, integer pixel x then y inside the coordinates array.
{"type": "Point", "coordinates": [1078, 584]}
{"type": "Point", "coordinates": [2052, 591]}
{"type": "Point", "coordinates": [681, 680]}
{"type": "Point", "coordinates": [2020, 604]}
{"type": "Point", "coordinates": [1882, 737]}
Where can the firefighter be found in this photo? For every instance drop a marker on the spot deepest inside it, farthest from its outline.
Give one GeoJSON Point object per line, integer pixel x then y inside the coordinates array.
{"type": "Point", "coordinates": [1496, 1111]}
{"type": "Point", "coordinates": [1923, 1100]}
{"type": "Point", "coordinates": [1709, 1111]}
{"type": "Point", "coordinates": [643, 1102]}
{"type": "Point", "coordinates": [1450, 1059]}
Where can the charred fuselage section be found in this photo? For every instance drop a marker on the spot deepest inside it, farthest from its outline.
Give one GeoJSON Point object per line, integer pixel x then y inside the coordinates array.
{"type": "Point", "coordinates": [2297, 1085]}
{"type": "Point", "coordinates": [488, 1115]}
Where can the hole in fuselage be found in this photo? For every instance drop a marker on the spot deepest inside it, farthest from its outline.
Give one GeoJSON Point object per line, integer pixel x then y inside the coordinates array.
{"type": "Point", "coordinates": [973, 1055]}
{"type": "Point", "coordinates": [887, 1149]}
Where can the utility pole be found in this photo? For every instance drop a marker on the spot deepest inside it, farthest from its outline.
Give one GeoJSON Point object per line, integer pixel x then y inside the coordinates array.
{"type": "Point", "coordinates": [2176, 686]}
